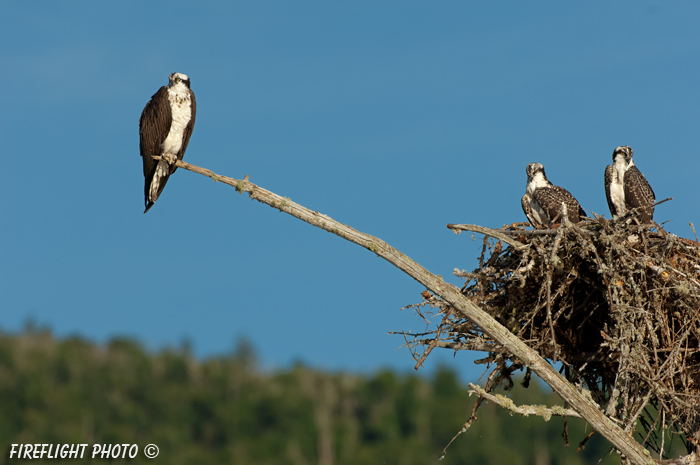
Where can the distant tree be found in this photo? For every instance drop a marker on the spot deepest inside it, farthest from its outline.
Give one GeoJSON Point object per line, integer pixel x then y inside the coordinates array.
{"type": "Point", "coordinates": [244, 353]}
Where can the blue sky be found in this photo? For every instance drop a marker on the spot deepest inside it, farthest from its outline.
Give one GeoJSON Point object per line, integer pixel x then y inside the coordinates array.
{"type": "Point", "coordinates": [394, 117]}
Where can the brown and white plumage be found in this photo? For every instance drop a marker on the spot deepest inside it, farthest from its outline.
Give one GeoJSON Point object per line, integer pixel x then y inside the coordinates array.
{"type": "Point", "coordinates": [626, 187]}
{"type": "Point", "coordinates": [544, 203]}
{"type": "Point", "coordinates": [165, 128]}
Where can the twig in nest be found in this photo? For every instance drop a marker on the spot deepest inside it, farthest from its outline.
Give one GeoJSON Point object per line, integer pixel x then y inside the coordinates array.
{"type": "Point", "coordinates": [431, 345]}
{"type": "Point", "coordinates": [585, 440]}
{"type": "Point", "coordinates": [488, 232]}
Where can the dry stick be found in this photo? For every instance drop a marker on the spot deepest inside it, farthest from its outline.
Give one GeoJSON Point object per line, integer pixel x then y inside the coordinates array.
{"type": "Point", "coordinates": [476, 346]}
{"type": "Point", "coordinates": [524, 410]}
{"type": "Point", "coordinates": [662, 201]}
{"type": "Point", "coordinates": [431, 345]}
{"type": "Point", "coordinates": [530, 232]}
{"type": "Point", "coordinates": [488, 232]}
{"type": "Point", "coordinates": [452, 295]}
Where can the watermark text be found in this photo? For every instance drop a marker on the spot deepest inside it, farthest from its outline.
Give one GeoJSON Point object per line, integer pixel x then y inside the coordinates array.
{"type": "Point", "coordinates": [77, 451]}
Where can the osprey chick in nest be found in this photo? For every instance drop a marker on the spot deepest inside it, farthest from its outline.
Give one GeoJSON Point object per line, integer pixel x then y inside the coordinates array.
{"type": "Point", "coordinates": [544, 203]}
{"type": "Point", "coordinates": [627, 188]}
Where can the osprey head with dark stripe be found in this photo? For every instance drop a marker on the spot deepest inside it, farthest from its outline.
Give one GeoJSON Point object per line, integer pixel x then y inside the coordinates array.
{"type": "Point", "coordinates": [626, 187]}
{"type": "Point", "coordinates": [544, 203]}
{"type": "Point", "coordinates": [165, 128]}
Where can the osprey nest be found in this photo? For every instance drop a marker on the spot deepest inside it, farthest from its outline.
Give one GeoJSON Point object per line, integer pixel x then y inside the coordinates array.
{"type": "Point", "coordinates": [617, 304]}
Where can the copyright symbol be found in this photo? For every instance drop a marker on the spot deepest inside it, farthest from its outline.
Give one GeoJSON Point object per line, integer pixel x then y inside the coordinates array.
{"type": "Point", "coordinates": [151, 451]}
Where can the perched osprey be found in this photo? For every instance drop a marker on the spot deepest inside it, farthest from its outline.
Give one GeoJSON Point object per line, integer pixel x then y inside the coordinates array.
{"type": "Point", "coordinates": [544, 203]}
{"type": "Point", "coordinates": [165, 128]}
{"type": "Point", "coordinates": [627, 188]}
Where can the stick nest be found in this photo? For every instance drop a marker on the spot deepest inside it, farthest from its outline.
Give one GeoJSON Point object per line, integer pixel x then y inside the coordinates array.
{"type": "Point", "coordinates": [617, 304]}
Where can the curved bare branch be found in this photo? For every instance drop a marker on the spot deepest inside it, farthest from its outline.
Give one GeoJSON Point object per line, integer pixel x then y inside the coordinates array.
{"type": "Point", "coordinates": [581, 403]}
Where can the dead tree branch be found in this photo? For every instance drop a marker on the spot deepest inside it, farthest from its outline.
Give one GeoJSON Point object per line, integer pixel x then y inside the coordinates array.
{"type": "Point", "coordinates": [582, 404]}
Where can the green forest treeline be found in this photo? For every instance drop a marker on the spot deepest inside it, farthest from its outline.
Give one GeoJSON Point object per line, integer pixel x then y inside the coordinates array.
{"type": "Point", "coordinates": [225, 410]}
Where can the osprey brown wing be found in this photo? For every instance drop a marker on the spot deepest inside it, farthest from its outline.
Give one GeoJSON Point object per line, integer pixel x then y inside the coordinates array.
{"type": "Point", "coordinates": [527, 209]}
{"type": "Point", "coordinates": [154, 126]}
{"type": "Point", "coordinates": [638, 193]}
{"type": "Point", "coordinates": [609, 174]}
{"type": "Point", "coordinates": [551, 199]}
